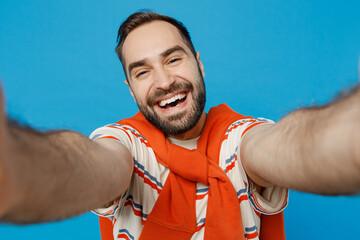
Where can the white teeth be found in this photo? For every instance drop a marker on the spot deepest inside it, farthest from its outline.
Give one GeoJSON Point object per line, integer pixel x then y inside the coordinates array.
{"type": "Point", "coordinates": [173, 99]}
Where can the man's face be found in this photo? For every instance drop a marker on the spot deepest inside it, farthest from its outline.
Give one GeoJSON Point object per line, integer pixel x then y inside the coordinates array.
{"type": "Point", "coordinates": [165, 78]}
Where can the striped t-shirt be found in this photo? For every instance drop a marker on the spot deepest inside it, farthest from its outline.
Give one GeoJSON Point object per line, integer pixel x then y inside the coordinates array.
{"type": "Point", "coordinates": [130, 212]}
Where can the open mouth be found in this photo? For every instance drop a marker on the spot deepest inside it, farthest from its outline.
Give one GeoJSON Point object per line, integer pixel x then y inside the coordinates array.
{"type": "Point", "coordinates": [173, 101]}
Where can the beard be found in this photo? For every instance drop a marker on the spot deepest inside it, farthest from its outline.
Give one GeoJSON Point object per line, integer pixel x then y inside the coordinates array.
{"type": "Point", "coordinates": [180, 122]}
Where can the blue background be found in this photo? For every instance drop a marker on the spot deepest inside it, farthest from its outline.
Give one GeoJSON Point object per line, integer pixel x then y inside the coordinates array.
{"type": "Point", "coordinates": [263, 58]}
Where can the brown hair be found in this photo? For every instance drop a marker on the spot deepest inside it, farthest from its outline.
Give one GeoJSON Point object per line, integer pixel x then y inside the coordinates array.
{"type": "Point", "coordinates": [142, 17]}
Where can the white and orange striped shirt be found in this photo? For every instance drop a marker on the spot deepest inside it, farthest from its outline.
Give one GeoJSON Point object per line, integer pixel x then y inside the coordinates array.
{"type": "Point", "coordinates": [130, 212]}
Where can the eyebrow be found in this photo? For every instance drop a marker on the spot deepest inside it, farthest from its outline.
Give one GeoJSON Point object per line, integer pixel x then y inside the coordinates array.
{"type": "Point", "coordinates": [164, 54]}
{"type": "Point", "coordinates": [136, 64]}
{"type": "Point", "coordinates": [171, 50]}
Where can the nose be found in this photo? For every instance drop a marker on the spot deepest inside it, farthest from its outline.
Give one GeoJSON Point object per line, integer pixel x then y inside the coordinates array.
{"type": "Point", "coordinates": [163, 78]}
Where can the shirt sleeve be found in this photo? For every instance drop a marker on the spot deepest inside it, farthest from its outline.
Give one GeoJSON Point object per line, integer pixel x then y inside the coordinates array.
{"type": "Point", "coordinates": [265, 200]}
{"type": "Point", "coordinates": [112, 131]}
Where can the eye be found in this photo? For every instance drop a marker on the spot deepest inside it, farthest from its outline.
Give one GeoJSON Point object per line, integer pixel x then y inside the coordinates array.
{"type": "Point", "coordinates": [141, 73]}
{"type": "Point", "coordinates": [173, 60]}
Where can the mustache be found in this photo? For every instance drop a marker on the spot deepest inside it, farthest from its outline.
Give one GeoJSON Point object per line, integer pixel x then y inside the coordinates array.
{"type": "Point", "coordinates": [173, 88]}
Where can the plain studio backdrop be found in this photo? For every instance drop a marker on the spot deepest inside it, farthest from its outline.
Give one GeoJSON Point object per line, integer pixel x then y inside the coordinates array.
{"type": "Point", "coordinates": [263, 58]}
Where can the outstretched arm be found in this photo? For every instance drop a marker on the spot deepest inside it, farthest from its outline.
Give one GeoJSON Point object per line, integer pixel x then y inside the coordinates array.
{"type": "Point", "coordinates": [54, 175]}
{"type": "Point", "coordinates": [314, 149]}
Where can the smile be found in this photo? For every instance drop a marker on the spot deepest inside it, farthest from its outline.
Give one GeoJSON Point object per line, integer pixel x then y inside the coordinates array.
{"type": "Point", "coordinates": [173, 101]}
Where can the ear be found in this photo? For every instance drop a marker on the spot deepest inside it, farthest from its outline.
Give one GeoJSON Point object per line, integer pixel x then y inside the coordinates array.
{"type": "Point", "coordinates": [131, 91]}
{"type": "Point", "coordinates": [200, 64]}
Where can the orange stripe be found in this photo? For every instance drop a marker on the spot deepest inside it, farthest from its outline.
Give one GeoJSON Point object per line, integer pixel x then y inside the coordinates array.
{"type": "Point", "coordinates": [138, 136]}
{"type": "Point", "coordinates": [242, 123]}
{"type": "Point", "coordinates": [232, 128]}
{"type": "Point", "coordinates": [121, 130]}
{"type": "Point", "coordinates": [242, 198]}
{"type": "Point", "coordinates": [122, 235]}
{"type": "Point", "coordinates": [237, 125]}
{"type": "Point", "coordinates": [251, 235]}
{"type": "Point", "coordinates": [136, 212]}
{"type": "Point", "coordinates": [109, 137]}
{"type": "Point", "coordinates": [199, 227]}
{"type": "Point", "coordinates": [198, 197]}
{"type": "Point", "coordinates": [251, 126]}
{"type": "Point", "coordinates": [146, 180]}
{"type": "Point", "coordinates": [231, 166]}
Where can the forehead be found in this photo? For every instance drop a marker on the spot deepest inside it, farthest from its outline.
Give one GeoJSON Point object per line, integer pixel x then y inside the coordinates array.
{"type": "Point", "coordinates": [150, 40]}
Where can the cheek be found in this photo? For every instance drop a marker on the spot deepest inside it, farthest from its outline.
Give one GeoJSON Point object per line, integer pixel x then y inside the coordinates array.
{"type": "Point", "coordinates": [187, 72]}
{"type": "Point", "coordinates": [141, 91]}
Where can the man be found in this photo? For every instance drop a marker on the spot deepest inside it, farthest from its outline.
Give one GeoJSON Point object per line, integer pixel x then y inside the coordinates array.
{"type": "Point", "coordinates": [126, 171]}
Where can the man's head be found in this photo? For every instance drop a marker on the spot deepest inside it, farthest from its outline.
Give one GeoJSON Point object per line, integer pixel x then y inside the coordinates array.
{"type": "Point", "coordinates": [163, 71]}
{"type": "Point", "coordinates": [140, 18]}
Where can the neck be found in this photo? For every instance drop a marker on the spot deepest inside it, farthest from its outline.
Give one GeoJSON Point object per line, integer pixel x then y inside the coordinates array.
{"type": "Point", "coordinates": [194, 132]}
